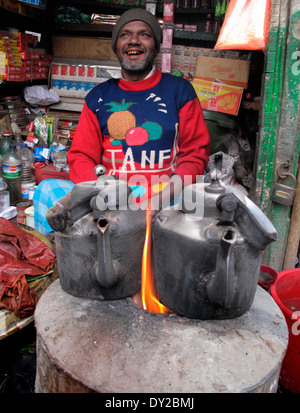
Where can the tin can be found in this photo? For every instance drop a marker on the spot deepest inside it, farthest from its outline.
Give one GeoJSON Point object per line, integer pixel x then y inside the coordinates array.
{"type": "Point", "coordinates": [26, 187]}
{"type": "Point", "coordinates": [21, 215]}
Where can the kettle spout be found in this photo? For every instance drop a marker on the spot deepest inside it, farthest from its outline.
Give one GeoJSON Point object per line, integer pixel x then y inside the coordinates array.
{"type": "Point", "coordinates": [221, 286]}
{"type": "Point", "coordinates": [104, 270]}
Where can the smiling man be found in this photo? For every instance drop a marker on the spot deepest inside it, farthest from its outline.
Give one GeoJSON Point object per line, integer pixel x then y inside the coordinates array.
{"type": "Point", "coordinates": [135, 50]}
{"type": "Point", "coordinates": [146, 128]}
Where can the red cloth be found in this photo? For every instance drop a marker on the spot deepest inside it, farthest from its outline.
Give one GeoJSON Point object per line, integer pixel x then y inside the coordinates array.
{"type": "Point", "coordinates": [21, 254]}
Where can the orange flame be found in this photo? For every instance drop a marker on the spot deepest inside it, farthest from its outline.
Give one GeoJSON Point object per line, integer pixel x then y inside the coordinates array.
{"type": "Point", "coordinates": [149, 295]}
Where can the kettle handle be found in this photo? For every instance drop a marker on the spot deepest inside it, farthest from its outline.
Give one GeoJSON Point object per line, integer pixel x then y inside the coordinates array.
{"type": "Point", "coordinates": [221, 286]}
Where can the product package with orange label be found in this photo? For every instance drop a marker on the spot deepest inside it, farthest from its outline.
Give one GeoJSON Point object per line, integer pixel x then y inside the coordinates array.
{"type": "Point", "coordinates": [218, 97]}
{"type": "Point", "coordinates": [219, 83]}
{"type": "Point", "coordinates": [246, 25]}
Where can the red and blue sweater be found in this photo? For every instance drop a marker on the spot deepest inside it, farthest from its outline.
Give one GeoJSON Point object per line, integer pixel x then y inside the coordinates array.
{"type": "Point", "coordinates": [141, 131]}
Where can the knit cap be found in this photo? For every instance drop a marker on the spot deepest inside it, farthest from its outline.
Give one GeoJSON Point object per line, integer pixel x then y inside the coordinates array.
{"type": "Point", "coordinates": [141, 15]}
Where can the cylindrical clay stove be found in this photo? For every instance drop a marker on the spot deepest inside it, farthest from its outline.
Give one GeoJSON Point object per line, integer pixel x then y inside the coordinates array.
{"type": "Point", "coordinates": [115, 346]}
{"type": "Point", "coordinates": [92, 337]}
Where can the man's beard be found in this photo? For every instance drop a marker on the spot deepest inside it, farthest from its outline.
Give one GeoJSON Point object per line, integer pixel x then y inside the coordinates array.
{"type": "Point", "coordinates": [136, 68]}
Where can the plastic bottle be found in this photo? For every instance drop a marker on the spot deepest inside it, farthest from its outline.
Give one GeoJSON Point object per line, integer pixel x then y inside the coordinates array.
{"type": "Point", "coordinates": [27, 178]}
{"type": "Point", "coordinates": [5, 143]}
{"type": "Point", "coordinates": [18, 140]}
{"type": "Point", "coordinates": [12, 169]}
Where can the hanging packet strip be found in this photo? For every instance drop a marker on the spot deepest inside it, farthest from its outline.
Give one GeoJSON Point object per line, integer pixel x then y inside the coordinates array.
{"type": "Point", "coordinates": [246, 25]}
{"type": "Point", "coordinates": [45, 127]}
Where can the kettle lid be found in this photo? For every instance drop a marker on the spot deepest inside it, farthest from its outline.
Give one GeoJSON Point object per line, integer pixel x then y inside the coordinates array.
{"type": "Point", "coordinates": [200, 198]}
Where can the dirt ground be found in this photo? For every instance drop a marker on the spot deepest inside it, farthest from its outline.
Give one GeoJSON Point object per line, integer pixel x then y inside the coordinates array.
{"type": "Point", "coordinates": [18, 362]}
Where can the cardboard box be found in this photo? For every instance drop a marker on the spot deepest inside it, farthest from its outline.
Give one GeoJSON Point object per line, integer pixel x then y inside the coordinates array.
{"type": "Point", "coordinates": [230, 71]}
{"type": "Point", "coordinates": [83, 48]}
{"type": "Point", "coordinates": [72, 78]}
{"type": "Point", "coordinates": [190, 27]}
{"type": "Point", "coordinates": [218, 97]}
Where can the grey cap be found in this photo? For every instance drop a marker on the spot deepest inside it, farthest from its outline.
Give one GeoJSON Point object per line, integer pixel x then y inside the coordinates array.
{"type": "Point", "coordinates": [133, 15]}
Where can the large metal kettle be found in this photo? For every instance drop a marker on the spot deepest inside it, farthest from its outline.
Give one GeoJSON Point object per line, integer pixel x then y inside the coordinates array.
{"type": "Point", "coordinates": [99, 255]}
{"type": "Point", "coordinates": [207, 251]}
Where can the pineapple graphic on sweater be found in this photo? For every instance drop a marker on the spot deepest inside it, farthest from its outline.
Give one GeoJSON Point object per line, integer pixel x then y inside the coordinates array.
{"type": "Point", "coordinates": [142, 132]}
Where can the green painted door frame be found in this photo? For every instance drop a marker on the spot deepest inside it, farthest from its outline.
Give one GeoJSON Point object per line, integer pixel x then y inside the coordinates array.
{"type": "Point", "coordinates": [279, 134]}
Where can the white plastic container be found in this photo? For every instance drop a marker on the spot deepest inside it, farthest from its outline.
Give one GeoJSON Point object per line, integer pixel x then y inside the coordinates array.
{"type": "Point", "coordinates": [30, 216]}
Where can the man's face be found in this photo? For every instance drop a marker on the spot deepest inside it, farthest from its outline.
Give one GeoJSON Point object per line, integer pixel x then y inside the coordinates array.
{"type": "Point", "coordinates": [136, 49]}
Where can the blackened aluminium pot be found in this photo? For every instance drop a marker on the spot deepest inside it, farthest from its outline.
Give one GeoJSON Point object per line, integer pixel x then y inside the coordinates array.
{"type": "Point", "coordinates": [99, 255]}
{"type": "Point", "coordinates": [206, 264]}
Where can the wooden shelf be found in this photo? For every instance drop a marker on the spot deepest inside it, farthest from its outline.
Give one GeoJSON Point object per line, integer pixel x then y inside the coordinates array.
{"type": "Point", "coordinates": [107, 28]}
{"type": "Point", "coordinates": [23, 22]}
{"type": "Point", "coordinates": [89, 6]}
{"type": "Point", "coordinates": [184, 34]}
{"type": "Point", "coordinates": [191, 10]}
{"type": "Point", "coordinates": [81, 28]}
